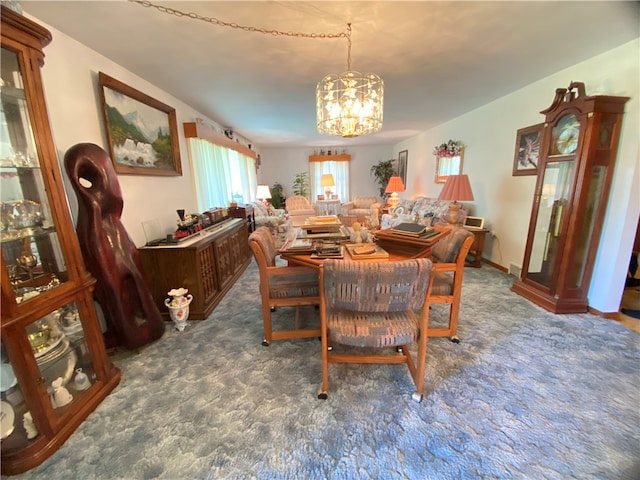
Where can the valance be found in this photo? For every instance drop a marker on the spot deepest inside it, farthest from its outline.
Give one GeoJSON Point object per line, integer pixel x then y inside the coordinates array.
{"type": "Point", "coordinates": [198, 130]}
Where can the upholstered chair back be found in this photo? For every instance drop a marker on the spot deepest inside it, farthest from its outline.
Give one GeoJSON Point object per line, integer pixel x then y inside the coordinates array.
{"type": "Point", "coordinates": [298, 202]}
{"type": "Point", "coordinates": [376, 286]}
{"type": "Point", "coordinates": [262, 236]}
{"type": "Point", "coordinates": [447, 249]}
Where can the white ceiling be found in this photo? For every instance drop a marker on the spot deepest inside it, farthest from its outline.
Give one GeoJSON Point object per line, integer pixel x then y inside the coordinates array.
{"type": "Point", "coordinates": [437, 59]}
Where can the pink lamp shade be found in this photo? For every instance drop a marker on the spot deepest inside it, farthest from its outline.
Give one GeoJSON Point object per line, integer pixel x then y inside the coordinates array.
{"type": "Point", "coordinates": [456, 188]}
{"type": "Point", "coordinates": [394, 186]}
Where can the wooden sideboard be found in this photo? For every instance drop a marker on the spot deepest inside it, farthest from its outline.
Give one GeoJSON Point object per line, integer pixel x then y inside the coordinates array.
{"type": "Point", "coordinates": [207, 265]}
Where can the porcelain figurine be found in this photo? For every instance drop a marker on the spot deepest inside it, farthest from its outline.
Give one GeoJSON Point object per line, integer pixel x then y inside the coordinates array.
{"type": "Point", "coordinates": [61, 395]}
{"type": "Point", "coordinates": [29, 426]}
{"type": "Point", "coordinates": [82, 380]}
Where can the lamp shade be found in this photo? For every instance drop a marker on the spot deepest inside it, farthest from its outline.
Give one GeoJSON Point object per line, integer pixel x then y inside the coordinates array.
{"type": "Point", "coordinates": [327, 180]}
{"type": "Point", "coordinates": [263, 192]}
{"type": "Point", "coordinates": [457, 188]}
{"type": "Point", "coordinates": [394, 185]}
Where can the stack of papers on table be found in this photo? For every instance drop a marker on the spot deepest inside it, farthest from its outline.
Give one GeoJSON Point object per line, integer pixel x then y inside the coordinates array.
{"type": "Point", "coordinates": [299, 245]}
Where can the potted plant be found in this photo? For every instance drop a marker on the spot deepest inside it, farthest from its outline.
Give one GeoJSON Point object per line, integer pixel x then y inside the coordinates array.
{"type": "Point", "coordinates": [301, 184]}
{"type": "Point", "coordinates": [277, 195]}
{"type": "Point", "coordinates": [383, 171]}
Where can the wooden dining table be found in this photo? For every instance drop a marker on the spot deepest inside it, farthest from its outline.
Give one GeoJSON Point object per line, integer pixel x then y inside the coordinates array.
{"type": "Point", "coordinates": [398, 246]}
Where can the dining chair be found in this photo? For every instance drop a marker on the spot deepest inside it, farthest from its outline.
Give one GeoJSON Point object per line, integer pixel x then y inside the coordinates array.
{"type": "Point", "coordinates": [282, 286]}
{"type": "Point", "coordinates": [449, 256]}
{"type": "Point", "coordinates": [375, 306]}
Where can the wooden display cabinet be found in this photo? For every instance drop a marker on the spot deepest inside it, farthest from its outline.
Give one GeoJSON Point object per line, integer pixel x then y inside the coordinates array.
{"type": "Point", "coordinates": [207, 265]}
{"type": "Point", "coordinates": [54, 366]}
{"type": "Point", "coordinates": [577, 156]}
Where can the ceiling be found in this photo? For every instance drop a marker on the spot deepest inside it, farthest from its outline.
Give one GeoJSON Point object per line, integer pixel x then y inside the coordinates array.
{"type": "Point", "coordinates": [438, 59]}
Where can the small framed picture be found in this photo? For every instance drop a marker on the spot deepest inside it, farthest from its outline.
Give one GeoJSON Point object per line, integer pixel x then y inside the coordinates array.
{"type": "Point", "coordinates": [525, 161]}
{"type": "Point", "coordinates": [320, 197]}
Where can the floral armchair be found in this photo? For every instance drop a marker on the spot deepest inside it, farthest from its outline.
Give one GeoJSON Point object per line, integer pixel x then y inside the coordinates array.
{"type": "Point", "coordinates": [275, 219]}
{"type": "Point", "coordinates": [428, 211]}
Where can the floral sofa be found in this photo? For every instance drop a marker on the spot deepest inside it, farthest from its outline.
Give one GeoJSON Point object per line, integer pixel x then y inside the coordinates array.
{"type": "Point", "coordinates": [276, 219]}
{"type": "Point", "coordinates": [428, 211]}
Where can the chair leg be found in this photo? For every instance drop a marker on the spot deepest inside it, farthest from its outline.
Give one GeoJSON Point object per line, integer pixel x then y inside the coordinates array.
{"type": "Point", "coordinates": [453, 321]}
{"type": "Point", "coordinates": [323, 392]}
{"type": "Point", "coordinates": [266, 324]}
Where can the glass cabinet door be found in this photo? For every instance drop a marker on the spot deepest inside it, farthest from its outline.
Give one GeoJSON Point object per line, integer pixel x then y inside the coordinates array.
{"type": "Point", "coordinates": [65, 368]}
{"type": "Point", "coordinates": [30, 245]}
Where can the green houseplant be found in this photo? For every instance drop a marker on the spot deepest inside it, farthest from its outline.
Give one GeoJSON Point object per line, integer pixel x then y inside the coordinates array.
{"type": "Point", "coordinates": [301, 184]}
{"type": "Point", "coordinates": [277, 195]}
{"type": "Point", "coordinates": [383, 171]}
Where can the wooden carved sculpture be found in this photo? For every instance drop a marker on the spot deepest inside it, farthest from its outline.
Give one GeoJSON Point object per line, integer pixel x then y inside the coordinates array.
{"type": "Point", "coordinates": [132, 317]}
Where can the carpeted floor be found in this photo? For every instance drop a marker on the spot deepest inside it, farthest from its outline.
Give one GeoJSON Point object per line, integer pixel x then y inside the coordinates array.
{"type": "Point", "coordinates": [525, 395]}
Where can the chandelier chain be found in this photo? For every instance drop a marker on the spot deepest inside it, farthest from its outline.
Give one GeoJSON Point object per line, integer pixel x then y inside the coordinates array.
{"type": "Point", "coordinates": [348, 47]}
{"type": "Point", "coordinates": [246, 28]}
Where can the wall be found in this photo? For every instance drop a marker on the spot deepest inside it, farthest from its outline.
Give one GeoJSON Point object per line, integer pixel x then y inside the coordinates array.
{"type": "Point", "coordinates": [70, 76]}
{"type": "Point", "coordinates": [505, 201]}
{"type": "Point", "coordinates": [282, 164]}
{"type": "Point", "coordinates": [72, 93]}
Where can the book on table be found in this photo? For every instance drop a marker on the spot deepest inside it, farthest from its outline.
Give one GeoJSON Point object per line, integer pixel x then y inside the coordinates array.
{"type": "Point", "coordinates": [366, 251]}
{"type": "Point", "coordinates": [413, 230]}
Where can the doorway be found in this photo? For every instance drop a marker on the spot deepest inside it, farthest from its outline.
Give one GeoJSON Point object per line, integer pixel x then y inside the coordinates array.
{"type": "Point", "coordinates": [629, 313]}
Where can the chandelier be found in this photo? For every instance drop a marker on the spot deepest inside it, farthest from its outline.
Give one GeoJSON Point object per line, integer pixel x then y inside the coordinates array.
{"type": "Point", "coordinates": [349, 104]}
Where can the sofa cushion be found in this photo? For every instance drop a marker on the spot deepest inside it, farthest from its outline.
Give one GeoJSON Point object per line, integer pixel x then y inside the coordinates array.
{"type": "Point", "coordinates": [424, 206]}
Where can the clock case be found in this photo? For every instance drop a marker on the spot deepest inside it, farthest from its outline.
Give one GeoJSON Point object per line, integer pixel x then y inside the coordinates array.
{"type": "Point", "coordinates": [570, 198]}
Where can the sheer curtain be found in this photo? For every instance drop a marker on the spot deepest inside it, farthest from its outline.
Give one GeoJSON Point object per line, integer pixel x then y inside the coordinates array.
{"type": "Point", "coordinates": [219, 173]}
{"type": "Point", "coordinates": [340, 172]}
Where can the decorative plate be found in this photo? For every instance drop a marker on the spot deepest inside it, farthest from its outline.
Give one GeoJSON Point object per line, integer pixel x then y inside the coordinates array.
{"type": "Point", "coordinates": [398, 210]}
{"type": "Point", "coordinates": [7, 417]}
{"type": "Point", "coordinates": [7, 377]}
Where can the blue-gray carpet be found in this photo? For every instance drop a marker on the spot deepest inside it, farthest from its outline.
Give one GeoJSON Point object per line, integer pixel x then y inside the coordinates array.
{"type": "Point", "coordinates": [525, 395]}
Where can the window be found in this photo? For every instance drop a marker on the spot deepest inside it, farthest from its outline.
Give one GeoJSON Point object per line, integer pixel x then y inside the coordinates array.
{"type": "Point", "coordinates": [219, 173]}
{"type": "Point", "coordinates": [340, 172]}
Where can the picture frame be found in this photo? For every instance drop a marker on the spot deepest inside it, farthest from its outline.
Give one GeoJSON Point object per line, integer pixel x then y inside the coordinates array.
{"type": "Point", "coordinates": [527, 152]}
{"type": "Point", "coordinates": [320, 197]}
{"type": "Point", "coordinates": [402, 166]}
{"type": "Point", "coordinates": [474, 223]}
{"type": "Point", "coordinates": [142, 131]}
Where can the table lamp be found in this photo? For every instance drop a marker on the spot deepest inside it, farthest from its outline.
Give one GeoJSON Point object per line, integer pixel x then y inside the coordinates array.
{"type": "Point", "coordinates": [456, 188]}
{"type": "Point", "coordinates": [263, 194]}
{"type": "Point", "coordinates": [328, 182]}
{"type": "Point", "coordinates": [394, 186]}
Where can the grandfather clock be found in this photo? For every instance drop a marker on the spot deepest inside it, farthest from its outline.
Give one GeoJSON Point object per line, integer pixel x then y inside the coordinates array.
{"type": "Point", "coordinates": [577, 156]}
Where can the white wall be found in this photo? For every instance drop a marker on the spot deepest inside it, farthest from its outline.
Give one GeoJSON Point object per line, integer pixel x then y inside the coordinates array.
{"type": "Point", "coordinates": [505, 201]}
{"type": "Point", "coordinates": [70, 76]}
{"type": "Point", "coordinates": [282, 164]}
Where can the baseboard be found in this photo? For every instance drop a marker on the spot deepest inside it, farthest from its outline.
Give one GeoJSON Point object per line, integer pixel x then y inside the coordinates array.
{"type": "Point", "coordinates": [609, 315]}
{"type": "Point", "coordinates": [495, 265]}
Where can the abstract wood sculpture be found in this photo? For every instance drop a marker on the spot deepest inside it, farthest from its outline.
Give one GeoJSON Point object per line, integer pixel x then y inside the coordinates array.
{"type": "Point", "coordinates": [132, 317]}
